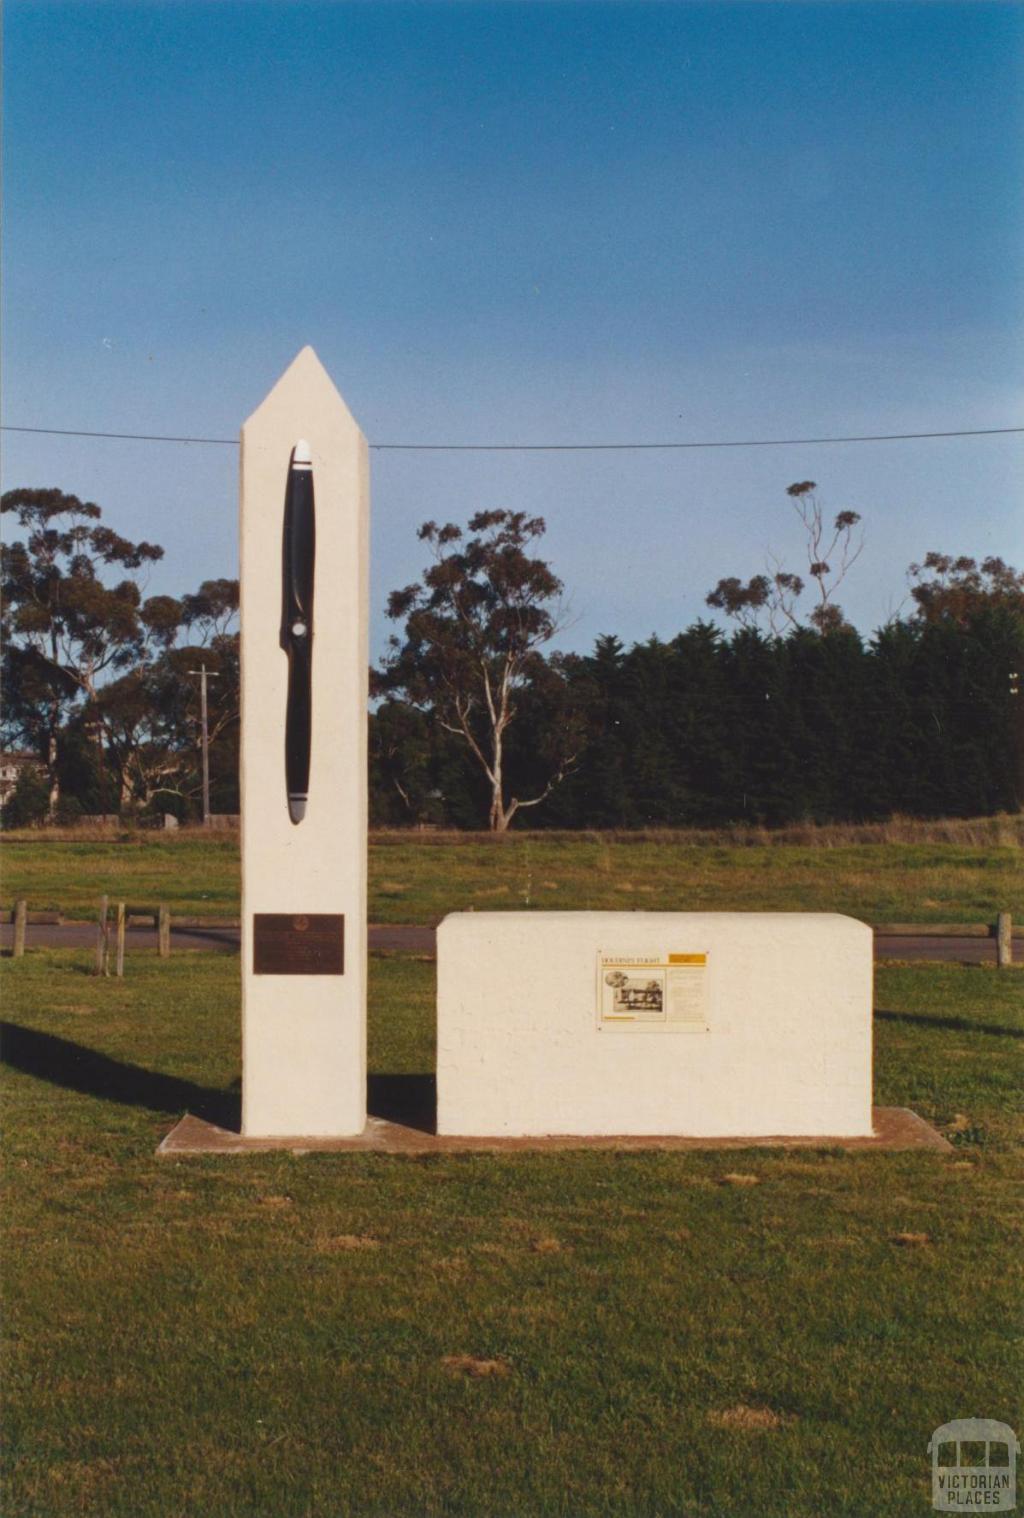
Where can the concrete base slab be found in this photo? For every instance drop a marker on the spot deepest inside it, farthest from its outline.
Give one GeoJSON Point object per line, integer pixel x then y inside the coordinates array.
{"type": "Point", "coordinates": [894, 1128]}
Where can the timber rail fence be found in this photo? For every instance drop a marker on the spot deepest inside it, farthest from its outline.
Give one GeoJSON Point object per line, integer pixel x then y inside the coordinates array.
{"type": "Point", "coordinates": [159, 917]}
{"type": "Point", "coordinates": [125, 917]}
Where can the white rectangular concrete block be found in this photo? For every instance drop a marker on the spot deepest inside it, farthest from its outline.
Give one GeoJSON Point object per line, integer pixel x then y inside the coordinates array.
{"type": "Point", "coordinates": [304, 1035]}
{"type": "Point", "coordinates": [702, 1024]}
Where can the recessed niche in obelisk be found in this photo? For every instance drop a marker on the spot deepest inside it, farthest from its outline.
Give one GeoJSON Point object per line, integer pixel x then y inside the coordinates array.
{"type": "Point", "coordinates": [304, 560]}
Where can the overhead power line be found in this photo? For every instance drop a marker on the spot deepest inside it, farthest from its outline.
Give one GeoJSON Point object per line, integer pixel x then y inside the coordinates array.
{"type": "Point", "coordinates": [130, 437]}
{"type": "Point", "coordinates": [764, 442]}
{"type": "Point", "coordinates": [771, 442]}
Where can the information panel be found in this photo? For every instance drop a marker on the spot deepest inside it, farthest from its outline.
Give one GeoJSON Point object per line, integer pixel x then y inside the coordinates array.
{"type": "Point", "coordinates": [652, 993]}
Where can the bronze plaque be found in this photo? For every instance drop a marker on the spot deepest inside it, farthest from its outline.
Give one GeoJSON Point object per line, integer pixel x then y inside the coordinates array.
{"type": "Point", "coordinates": [300, 943]}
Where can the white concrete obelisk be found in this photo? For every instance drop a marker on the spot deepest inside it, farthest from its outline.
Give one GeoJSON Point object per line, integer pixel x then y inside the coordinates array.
{"type": "Point", "coordinates": [304, 882]}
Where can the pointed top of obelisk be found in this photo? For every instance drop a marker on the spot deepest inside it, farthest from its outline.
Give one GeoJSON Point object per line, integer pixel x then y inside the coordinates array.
{"type": "Point", "coordinates": [305, 387]}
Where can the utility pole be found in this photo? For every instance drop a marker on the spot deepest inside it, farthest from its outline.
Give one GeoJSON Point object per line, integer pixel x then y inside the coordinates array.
{"type": "Point", "coordinates": [1018, 725]}
{"type": "Point", "coordinates": [205, 675]}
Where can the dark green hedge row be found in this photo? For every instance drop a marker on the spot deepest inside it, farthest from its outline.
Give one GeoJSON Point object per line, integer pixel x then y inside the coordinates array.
{"type": "Point", "coordinates": [921, 720]}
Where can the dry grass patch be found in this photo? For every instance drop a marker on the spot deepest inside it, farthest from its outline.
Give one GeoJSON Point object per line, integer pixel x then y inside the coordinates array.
{"type": "Point", "coordinates": [450, 1265]}
{"type": "Point", "coordinates": [749, 1419]}
{"type": "Point", "coordinates": [86, 1478]}
{"type": "Point", "coordinates": [341, 1243]}
{"type": "Point", "coordinates": [469, 1365]}
{"type": "Point", "coordinates": [499, 1251]}
{"type": "Point", "coordinates": [1002, 830]}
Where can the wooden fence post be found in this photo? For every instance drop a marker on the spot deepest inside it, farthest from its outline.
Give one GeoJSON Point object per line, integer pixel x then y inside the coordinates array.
{"type": "Point", "coordinates": [163, 932]}
{"type": "Point", "coordinates": [1004, 939]}
{"type": "Point", "coordinates": [20, 919]}
{"type": "Point", "coordinates": [120, 937]}
{"type": "Point", "coordinates": [101, 938]}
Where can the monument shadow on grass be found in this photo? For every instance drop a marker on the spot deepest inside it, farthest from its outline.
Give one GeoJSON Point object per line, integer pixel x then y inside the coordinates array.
{"type": "Point", "coordinates": [954, 1024]}
{"type": "Point", "coordinates": [78, 1068]}
{"type": "Point", "coordinates": [409, 1100]}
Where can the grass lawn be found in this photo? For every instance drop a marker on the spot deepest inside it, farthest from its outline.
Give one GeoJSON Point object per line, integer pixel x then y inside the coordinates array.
{"type": "Point", "coordinates": [522, 1335]}
{"type": "Point", "coordinates": [417, 879]}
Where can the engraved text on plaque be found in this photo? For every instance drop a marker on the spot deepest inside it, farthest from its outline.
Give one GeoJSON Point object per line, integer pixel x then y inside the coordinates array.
{"type": "Point", "coordinates": [300, 943]}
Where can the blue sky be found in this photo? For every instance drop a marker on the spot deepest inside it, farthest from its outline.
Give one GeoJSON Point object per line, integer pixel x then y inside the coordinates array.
{"type": "Point", "coordinates": [529, 223]}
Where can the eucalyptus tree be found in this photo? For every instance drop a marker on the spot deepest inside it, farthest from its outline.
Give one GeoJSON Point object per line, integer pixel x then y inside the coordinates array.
{"type": "Point", "coordinates": [66, 627]}
{"type": "Point", "coordinates": [475, 625]}
{"type": "Point", "coordinates": [86, 652]}
{"type": "Point", "coordinates": [831, 550]}
{"type": "Point", "coordinates": [957, 590]}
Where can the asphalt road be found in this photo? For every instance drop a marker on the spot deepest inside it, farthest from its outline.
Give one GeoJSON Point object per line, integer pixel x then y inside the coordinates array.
{"type": "Point", "coordinates": [418, 940]}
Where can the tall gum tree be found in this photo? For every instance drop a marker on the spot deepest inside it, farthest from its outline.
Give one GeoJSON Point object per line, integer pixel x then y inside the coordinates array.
{"type": "Point", "coordinates": [474, 627]}
{"type": "Point", "coordinates": [83, 646]}
{"type": "Point", "coordinates": [65, 628]}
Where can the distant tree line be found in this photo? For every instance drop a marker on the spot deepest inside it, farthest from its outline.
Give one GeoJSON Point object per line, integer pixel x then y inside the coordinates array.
{"type": "Point", "coordinates": [475, 724]}
{"type": "Point", "coordinates": [789, 719]}
{"type": "Point", "coordinates": [706, 730]}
